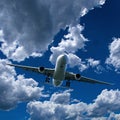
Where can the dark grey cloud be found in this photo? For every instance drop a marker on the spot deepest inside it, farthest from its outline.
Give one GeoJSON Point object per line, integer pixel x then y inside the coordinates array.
{"type": "Point", "coordinates": [26, 20]}
{"type": "Point", "coordinates": [33, 23]}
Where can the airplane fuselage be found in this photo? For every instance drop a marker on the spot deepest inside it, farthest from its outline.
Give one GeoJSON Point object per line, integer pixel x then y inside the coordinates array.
{"type": "Point", "coordinates": [60, 68]}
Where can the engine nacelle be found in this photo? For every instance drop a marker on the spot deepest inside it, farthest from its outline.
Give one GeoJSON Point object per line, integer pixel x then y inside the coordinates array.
{"type": "Point", "coordinates": [41, 69]}
{"type": "Point", "coordinates": [77, 76]}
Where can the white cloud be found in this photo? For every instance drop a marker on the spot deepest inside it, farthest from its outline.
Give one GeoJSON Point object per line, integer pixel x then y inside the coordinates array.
{"type": "Point", "coordinates": [74, 41]}
{"type": "Point", "coordinates": [36, 54]}
{"type": "Point", "coordinates": [13, 51]}
{"type": "Point", "coordinates": [61, 98]}
{"type": "Point", "coordinates": [114, 116]}
{"type": "Point", "coordinates": [98, 68]}
{"type": "Point", "coordinates": [114, 57]}
{"type": "Point", "coordinates": [1, 36]}
{"type": "Point", "coordinates": [35, 29]}
{"type": "Point", "coordinates": [15, 89]}
{"type": "Point", "coordinates": [71, 43]}
{"type": "Point", "coordinates": [106, 102]}
{"type": "Point", "coordinates": [92, 62]}
{"type": "Point", "coordinates": [101, 109]}
{"type": "Point", "coordinates": [74, 60]}
{"type": "Point", "coordinates": [17, 52]}
{"type": "Point", "coordinates": [54, 109]}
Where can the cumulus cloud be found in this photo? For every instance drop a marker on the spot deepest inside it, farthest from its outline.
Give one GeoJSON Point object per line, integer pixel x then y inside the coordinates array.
{"type": "Point", "coordinates": [101, 109]}
{"type": "Point", "coordinates": [33, 24]}
{"type": "Point", "coordinates": [1, 36]}
{"type": "Point", "coordinates": [76, 61]}
{"type": "Point", "coordinates": [98, 68]}
{"type": "Point", "coordinates": [106, 102]}
{"type": "Point", "coordinates": [93, 63]}
{"type": "Point", "coordinates": [114, 116]}
{"type": "Point", "coordinates": [55, 110]}
{"type": "Point", "coordinates": [15, 89]}
{"type": "Point", "coordinates": [114, 57]}
{"type": "Point", "coordinates": [61, 98]}
{"type": "Point", "coordinates": [72, 42]}
{"type": "Point", "coordinates": [15, 51]}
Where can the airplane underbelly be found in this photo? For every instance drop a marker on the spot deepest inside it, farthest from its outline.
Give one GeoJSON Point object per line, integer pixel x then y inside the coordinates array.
{"type": "Point", "coordinates": [57, 82]}
{"type": "Point", "coordinates": [59, 75]}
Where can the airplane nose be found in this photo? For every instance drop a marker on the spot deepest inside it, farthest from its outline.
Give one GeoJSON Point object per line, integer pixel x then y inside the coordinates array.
{"type": "Point", "coordinates": [65, 58]}
{"type": "Point", "coordinates": [62, 58]}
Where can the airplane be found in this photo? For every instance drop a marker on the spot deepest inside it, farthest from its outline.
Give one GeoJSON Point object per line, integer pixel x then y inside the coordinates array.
{"type": "Point", "coordinates": [59, 73]}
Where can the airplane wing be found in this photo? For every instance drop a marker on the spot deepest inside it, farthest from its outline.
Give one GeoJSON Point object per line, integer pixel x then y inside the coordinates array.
{"type": "Point", "coordinates": [68, 75]}
{"type": "Point", "coordinates": [72, 76]}
{"type": "Point", "coordinates": [45, 71]}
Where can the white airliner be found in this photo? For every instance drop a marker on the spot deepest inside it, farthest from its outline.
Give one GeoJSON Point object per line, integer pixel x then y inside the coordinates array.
{"type": "Point", "coordinates": [59, 73]}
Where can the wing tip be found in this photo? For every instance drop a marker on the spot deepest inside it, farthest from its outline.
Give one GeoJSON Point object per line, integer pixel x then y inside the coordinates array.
{"type": "Point", "coordinates": [111, 83]}
{"type": "Point", "coordinates": [108, 83]}
{"type": "Point", "coordinates": [9, 64]}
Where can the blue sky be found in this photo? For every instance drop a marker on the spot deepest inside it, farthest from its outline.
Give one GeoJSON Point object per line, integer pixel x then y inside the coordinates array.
{"type": "Point", "coordinates": [34, 33]}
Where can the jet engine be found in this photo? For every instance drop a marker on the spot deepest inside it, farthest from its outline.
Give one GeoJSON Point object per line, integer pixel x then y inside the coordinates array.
{"type": "Point", "coordinates": [77, 76]}
{"type": "Point", "coordinates": [41, 69]}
